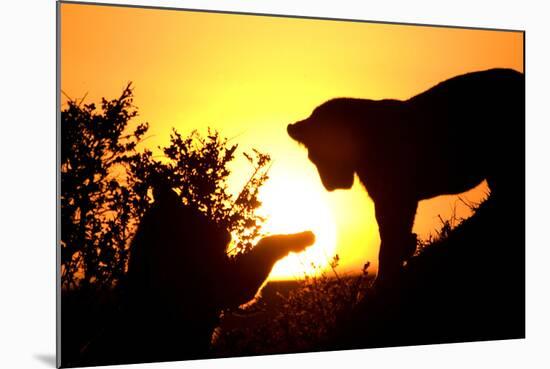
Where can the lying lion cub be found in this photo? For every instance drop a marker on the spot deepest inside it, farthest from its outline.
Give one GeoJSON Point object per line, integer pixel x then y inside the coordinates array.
{"type": "Point", "coordinates": [180, 278]}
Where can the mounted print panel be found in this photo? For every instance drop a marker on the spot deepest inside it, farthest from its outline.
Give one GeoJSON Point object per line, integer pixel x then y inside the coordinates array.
{"type": "Point", "coordinates": [237, 184]}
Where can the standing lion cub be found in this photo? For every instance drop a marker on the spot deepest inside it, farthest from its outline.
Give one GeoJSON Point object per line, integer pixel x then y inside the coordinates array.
{"type": "Point", "coordinates": [445, 140]}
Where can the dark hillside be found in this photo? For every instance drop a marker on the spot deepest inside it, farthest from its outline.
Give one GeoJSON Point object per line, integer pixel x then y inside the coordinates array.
{"type": "Point", "coordinates": [467, 286]}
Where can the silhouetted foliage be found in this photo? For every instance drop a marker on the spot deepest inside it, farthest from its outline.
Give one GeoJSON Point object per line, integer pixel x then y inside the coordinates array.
{"type": "Point", "coordinates": [198, 169]}
{"type": "Point", "coordinates": [106, 182]}
{"type": "Point", "coordinates": [310, 313]}
{"type": "Point", "coordinates": [301, 319]}
{"type": "Point", "coordinates": [98, 210]}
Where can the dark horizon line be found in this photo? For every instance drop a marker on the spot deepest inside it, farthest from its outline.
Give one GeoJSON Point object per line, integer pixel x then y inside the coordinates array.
{"type": "Point", "coordinates": [289, 16]}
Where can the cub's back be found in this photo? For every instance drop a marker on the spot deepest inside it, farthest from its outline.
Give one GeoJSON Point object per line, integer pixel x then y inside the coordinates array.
{"type": "Point", "coordinates": [473, 108]}
{"type": "Point", "coordinates": [500, 81]}
{"type": "Point", "coordinates": [481, 93]}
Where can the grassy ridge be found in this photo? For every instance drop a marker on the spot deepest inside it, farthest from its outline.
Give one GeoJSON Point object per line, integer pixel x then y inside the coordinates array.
{"type": "Point", "coordinates": [466, 284]}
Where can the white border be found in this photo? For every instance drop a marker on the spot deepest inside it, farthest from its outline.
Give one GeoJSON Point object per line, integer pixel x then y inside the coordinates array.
{"type": "Point", "coordinates": [27, 152]}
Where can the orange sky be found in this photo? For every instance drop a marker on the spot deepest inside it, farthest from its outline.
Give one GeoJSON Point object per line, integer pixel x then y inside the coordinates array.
{"type": "Point", "coordinates": [249, 76]}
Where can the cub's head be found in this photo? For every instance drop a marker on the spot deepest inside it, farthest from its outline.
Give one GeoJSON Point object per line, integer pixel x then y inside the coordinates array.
{"type": "Point", "coordinates": [186, 228]}
{"type": "Point", "coordinates": [328, 137]}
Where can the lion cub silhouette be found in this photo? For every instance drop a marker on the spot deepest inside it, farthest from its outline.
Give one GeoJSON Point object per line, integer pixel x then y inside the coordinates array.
{"type": "Point", "coordinates": [180, 278]}
{"type": "Point", "coordinates": [445, 140]}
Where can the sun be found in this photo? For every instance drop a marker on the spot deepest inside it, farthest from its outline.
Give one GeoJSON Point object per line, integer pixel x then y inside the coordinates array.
{"type": "Point", "coordinates": [296, 205]}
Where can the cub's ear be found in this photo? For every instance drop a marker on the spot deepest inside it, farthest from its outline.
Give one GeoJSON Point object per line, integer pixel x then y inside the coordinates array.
{"type": "Point", "coordinates": [297, 131]}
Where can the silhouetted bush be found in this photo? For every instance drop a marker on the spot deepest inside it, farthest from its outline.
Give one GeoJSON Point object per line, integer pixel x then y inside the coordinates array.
{"type": "Point", "coordinates": [98, 212]}
{"type": "Point", "coordinates": [106, 185]}
{"type": "Point", "coordinates": [197, 167]}
{"type": "Point", "coordinates": [302, 318]}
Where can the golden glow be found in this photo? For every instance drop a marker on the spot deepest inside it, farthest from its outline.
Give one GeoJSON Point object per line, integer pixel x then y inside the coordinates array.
{"type": "Point", "coordinates": [294, 204]}
{"type": "Point", "coordinates": [249, 76]}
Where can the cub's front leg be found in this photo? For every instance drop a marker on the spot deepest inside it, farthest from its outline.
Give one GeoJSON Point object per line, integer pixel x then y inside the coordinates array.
{"type": "Point", "coordinates": [247, 273]}
{"type": "Point", "coordinates": [395, 217]}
